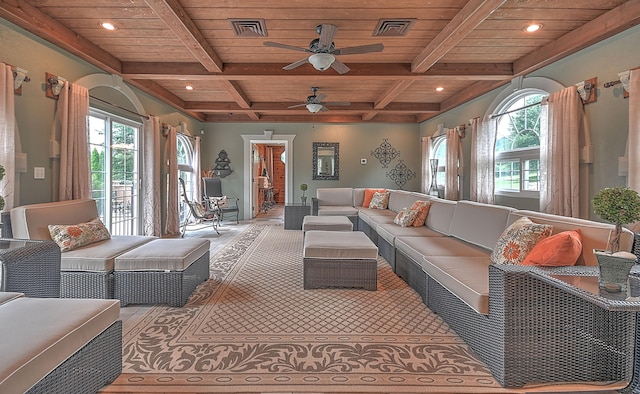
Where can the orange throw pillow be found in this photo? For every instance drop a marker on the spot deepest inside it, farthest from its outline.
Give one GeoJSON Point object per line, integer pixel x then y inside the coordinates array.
{"type": "Point", "coordinates": [368, 195]}
{"type": "Point", "coordinates": [423, 210]}
{"type": "Point", "coordinates": [557, 250]}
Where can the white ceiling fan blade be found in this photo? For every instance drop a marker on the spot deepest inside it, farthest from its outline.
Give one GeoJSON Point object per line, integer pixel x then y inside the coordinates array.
{"type": "Point", "coordinates": [340, 67]}
{"type": "Point", "coordinates": [297, 105]}
{"type": "Point", "coordinates": [284, 46]}
{"type": "Point", "coordinates": [327, 33]}
{"type": "Point", "coordinates": [319, 98]}
{"type": "Point", "coordinates": [359, 49]}
{"type": "Point", "coordinates": [324, 109]}
{"type": "Point", "coordinates": [296, 64]}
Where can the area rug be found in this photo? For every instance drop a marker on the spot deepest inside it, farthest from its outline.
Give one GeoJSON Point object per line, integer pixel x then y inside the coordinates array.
{"type": "Point", "coordinates": [252, 328]}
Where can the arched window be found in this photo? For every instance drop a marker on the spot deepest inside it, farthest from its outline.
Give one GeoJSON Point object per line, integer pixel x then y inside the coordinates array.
{"type": "Point", "coordinates": [517, 148]}
{"type": "Point", "coordinates": [185, 171]}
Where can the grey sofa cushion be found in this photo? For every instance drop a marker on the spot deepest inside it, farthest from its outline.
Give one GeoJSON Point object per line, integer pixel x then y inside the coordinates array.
{"type": "Point", "coordinates": [341, 196]}
{"type": "Point", "coordinates": [173, 254]}
{"type": "Point", "coordinates": [38, 334]}
{"type": "Point", "coordinates": [440, 215]}
{"type": "Point", "coordinates": [389, 231]}
{"type": "Point", "coordinates": [336, 210]}
{"type": "Point", "coordinates": [100, 256]}
{"type": "Point", "coordinates": [479, 224]}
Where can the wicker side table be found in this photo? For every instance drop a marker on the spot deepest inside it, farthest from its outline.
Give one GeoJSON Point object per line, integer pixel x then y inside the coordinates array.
{"type": "Point", "coordinates": [30, 267]}
{"type": "Point", "coordinates": [294, 215]}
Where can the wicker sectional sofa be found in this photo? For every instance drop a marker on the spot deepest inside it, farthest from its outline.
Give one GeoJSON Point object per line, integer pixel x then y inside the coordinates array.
{"type": "Point", "coordinates": [526, 330]}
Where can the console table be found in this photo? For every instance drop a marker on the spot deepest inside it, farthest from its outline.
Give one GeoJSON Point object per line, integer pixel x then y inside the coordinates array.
{"type": "Point", "coordinates": [294, 215]}
{"type": "Point", "coordinates": [30, 267]}
{"type": "Point", "coordinates": [583, 282]}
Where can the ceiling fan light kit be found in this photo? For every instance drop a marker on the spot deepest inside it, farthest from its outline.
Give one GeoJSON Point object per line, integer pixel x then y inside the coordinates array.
{"type": "Point", "coordinates": [321, 61]}
{"type": "Point", "coordinates": [314, 108]}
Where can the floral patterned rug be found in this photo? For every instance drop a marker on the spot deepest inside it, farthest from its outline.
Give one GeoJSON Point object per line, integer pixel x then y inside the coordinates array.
{"type": "Point", "coordinates": [252, 328]}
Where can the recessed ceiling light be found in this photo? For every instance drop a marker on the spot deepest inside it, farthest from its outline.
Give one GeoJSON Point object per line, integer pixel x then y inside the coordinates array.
{"type": "Point", "coordinates": [439, 89]}
{"type": "Point", "coordinates": [108, 25]}
{"type": "Point", "coordinates": [189, 87]}
{"type": "Point", "coordinates": [533, 27]}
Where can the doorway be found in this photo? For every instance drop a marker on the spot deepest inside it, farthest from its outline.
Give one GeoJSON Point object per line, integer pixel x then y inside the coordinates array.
{"type": "Point", "coordinates": [268, 169]}
{"type": "Point", "coordinates": [250, 176]}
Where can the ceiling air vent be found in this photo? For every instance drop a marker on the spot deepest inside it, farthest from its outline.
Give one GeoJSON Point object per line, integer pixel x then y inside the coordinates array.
{"type": "Point", "coordinates": [393, 27]}
{"type": "Point", "coordinates": [249, 27]}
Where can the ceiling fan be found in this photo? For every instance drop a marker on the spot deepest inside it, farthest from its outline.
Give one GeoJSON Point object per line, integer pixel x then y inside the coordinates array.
{"type": "Point", "coordinates": [324, 51]}
{"type": "Point", "coordinates": [314, 102]}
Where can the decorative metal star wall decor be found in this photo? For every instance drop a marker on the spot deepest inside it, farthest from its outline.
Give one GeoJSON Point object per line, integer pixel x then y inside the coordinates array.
{"type": "Point", "coordinates": [401, 174]}
{"type": "Point", "coordinates": [385, 153]}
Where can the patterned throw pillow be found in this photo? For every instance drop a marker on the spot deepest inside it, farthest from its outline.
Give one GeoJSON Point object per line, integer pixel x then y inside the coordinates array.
{"type": "Point", "coordinates": [423, 210]}
{"type": "Point", "coordinates": [518, 240]}
{"type": "Point", "coordinates": [405, 217]}
{"type": "Point", "coordinates": [368, 195]}
{"type": "Point", "coordinates": [72, 236]}
{"type": "Point", "coordinates": [380, 200]}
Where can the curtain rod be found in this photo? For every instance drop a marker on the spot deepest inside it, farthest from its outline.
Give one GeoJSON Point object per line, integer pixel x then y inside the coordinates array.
{"type": "Point", "coordinates": [165, 132]}
{"type": "Point", "coordinates": [518, 109]}
{"type": "Point", "coordinates": [119, 107]}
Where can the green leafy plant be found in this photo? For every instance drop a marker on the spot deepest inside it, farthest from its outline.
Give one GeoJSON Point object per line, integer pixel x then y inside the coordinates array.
{"type": "Point", "coordinates": [1, 198]}
{"type": "Point", "coordinates": [304, 188]}
{"type": "Point", "coordinates": [617, 205]}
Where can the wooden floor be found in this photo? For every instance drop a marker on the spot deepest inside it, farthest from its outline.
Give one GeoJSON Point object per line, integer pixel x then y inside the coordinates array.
{"type": "Point", "coordinates": [132, 313]}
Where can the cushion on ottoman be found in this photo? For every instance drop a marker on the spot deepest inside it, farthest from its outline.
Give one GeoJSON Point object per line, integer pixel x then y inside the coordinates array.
{"type": "Point", "coordinates": [327, 223]}
{"type": "Point", "coordinates": [162, 255]}
{"type": "Point", "coordinates": [338, 245]}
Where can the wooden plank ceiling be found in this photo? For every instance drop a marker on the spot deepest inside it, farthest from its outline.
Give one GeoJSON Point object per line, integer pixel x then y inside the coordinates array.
{"type": "Point", "coordinates": [466, 47]}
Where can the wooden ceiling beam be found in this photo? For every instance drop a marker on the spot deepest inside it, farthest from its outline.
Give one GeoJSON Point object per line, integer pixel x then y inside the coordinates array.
{"type": "Point", "coordinates": [161, 93]}
{"type": "Point", "coordinates": [310, 118]}
{"type": "Point", "coordinates": [176, 19]}
{"type": "Point", "coordinates": [359, 71]}
{"type": "Point", "coordinates": [465, 21]}
{"type": "Point", "coordinates": [234, 89]}
{"type": "Point", "coordinates": [395, 108]}
{"type": "Point", "coordinates": [31, 19]}
{"type": "Point", "coordinates": [613, 22]}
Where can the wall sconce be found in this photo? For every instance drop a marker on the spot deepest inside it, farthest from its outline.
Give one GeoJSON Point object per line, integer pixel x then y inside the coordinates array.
{"type": "Point", "coordinates": [624, 79]}
{"type": "Point", "coordinates": [54, 85]}
{"type": "Point", "coordinates": [586, 90]}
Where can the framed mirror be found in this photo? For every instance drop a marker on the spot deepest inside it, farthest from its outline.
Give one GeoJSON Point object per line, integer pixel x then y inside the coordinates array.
{"type": "Point", "coordinates": [326, 163]}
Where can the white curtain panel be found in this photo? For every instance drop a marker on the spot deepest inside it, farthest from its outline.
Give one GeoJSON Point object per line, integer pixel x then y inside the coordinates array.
{"type": "Point", "coordinates": [151, 208]}
{"type": "Point", "coordinates": [483, 143]}
{"type": "Point", "coordinates": [560, 154]}
{"type": "Point", "coordinates": [172, 225]}
{"type": "Point", "coordinates": [7, 136]}
{"type": "Point", "coordinates": [72, 117]}
{"type": "Point", "coordinates": [633, 144]}
{"type": "Point", "coordinates": [453, 166]}
{"type": "Point", "coordinates": [197, 174]}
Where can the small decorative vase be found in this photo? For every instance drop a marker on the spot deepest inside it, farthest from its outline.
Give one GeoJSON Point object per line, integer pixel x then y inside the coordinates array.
{"type": "Point", "coordinates": [304, 200]}
{"type": "Point", "coordinates": [614, 271]}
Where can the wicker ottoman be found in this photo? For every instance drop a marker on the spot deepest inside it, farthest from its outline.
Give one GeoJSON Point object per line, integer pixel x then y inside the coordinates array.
{"type": "Point", "coordinates": [163, 271]}
{"type": "Point", "coordinates": [339, 259]}
{"type": "Point", "coordinates": [327, 223]}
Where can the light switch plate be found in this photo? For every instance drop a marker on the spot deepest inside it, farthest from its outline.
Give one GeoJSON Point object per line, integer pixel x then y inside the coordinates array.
{"type": "Point", "coordinates": [38, 172]}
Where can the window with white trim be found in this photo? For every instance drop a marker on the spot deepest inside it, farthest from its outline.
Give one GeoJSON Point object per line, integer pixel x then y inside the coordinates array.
{"type": "Point", "coordinates": [517, 151]}
{"type": "Point", "coordinates": [185, 171]}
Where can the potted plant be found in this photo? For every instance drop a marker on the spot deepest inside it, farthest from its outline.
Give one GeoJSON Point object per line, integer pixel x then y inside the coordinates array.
{"type": "Point", "coordinates": [620, 206]}
{"type": "Point", "coordinates": [304, 188]}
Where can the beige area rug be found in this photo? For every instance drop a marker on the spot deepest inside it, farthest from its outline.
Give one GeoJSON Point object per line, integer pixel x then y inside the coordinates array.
{"type": "Point", "coordinates": [252, 328]}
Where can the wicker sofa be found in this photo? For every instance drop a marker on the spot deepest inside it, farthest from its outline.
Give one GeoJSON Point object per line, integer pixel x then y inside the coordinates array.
{"type": "Point", "coordinates": [86, 272]}
{"type": "Point", "coordinates": [526, 330]}
{"type": "Point", "coordinates": [60, 346]}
